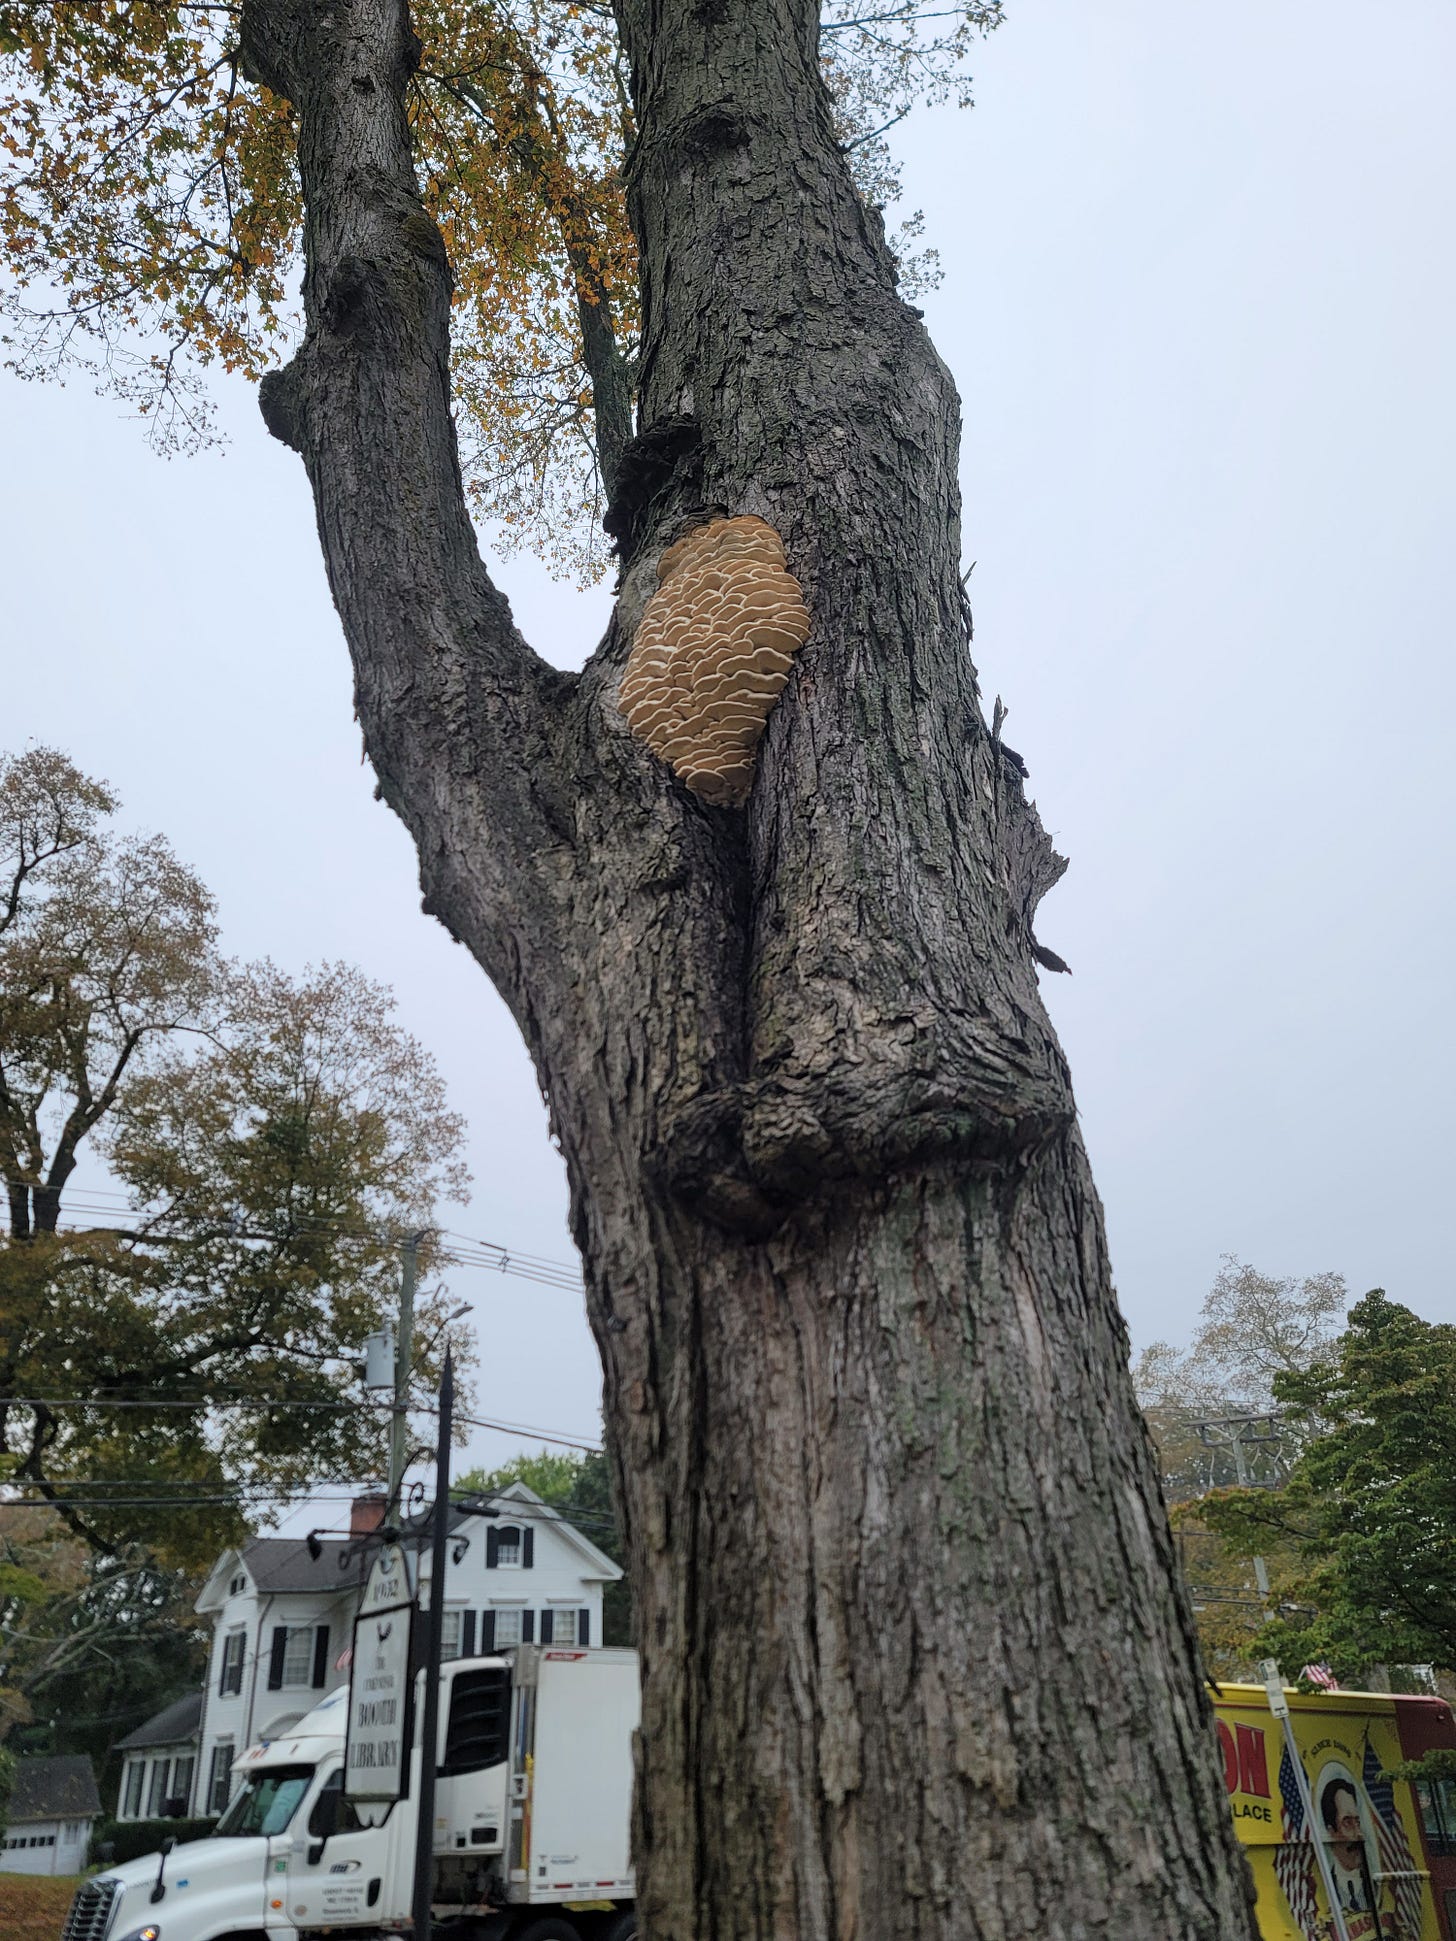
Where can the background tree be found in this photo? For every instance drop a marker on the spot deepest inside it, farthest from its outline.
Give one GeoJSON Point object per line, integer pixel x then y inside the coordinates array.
{"type": "Point", "coordinates": [1369, 1511]}
{"type": "Point", "coordinates": [884, 1484]}
{"type": "Point", "coordinates": [1252, 1328]}
{"type": "Point", "coordinates": [107, 946]}
{"type": "Point", "coordinates": [89, 1646]}
{"type": "Point", "coordinates": [169, 1367]}
{"type": "Point", "coordinates": [580, 1487]}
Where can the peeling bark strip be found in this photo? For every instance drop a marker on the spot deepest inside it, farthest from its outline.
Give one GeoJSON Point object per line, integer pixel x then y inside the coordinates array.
{"type": "Point", "coordinates": [915, 1661]}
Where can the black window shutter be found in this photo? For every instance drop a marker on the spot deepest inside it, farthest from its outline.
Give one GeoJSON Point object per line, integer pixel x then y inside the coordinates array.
{"type": "Point", "coordinates": [275, 1657]}
{"type": "Point", "coordinates": [548, 1619]}
{"type": "Point", "coordinates": [583, 1626]}
{"type": "Point", "coordinates": [492, 1546]}
{"type": "Point", "coordinates": [487, 1633]}
{"type": "Point", "coordinates": [528, 1548]}
{"type": "Point", "coordinates": [528, 1627]}
{"type": "Point", "coordinates": [321, 1655]}
{"type": "Point", "coordinates": [467, 1634]}
{"type": "Point", "coordinates": [222, 1676]}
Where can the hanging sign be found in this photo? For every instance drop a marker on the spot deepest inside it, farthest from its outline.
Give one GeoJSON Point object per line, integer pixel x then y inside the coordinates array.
{"type": "Point", "coordinates": [377, 1744]}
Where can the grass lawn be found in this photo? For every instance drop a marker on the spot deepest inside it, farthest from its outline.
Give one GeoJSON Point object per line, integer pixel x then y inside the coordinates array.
{"type": "Point", "coordinates": [32, 1908]}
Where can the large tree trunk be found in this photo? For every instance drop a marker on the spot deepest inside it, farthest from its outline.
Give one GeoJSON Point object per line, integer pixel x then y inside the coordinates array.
{"type": "Point", "coordinates": [915, 1662]}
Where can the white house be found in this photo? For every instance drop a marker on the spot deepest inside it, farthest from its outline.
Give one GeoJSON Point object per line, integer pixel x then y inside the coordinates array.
{"type": "Point", "coordinates": [282, 1612]}
{"type": "Point", "coordinates": [52, 1805]}
{"type": "Point", "coordinates": [161, 1763]}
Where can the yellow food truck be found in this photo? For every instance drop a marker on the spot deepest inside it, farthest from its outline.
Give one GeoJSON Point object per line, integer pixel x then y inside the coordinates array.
{"type": "Point", "coordinates": [1387, 1847]}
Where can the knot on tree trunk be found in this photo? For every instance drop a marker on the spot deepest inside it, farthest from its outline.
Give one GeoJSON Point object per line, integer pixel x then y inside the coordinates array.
{"type": "Point", "coordinates": [282, 44]}
{"type": "Point", "coordinates": [280, 402]}
{"type": "Point", "coordinates": [660, 458]}
{"type": "Point", "coordinates": [748, 1156]}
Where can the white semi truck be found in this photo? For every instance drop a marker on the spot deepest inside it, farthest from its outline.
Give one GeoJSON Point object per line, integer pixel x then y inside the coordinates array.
{"type": "Point", "coordinates": [532, 1804]}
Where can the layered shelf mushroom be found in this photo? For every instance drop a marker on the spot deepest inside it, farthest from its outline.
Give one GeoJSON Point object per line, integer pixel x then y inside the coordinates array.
{"type": "Point", "coordinates": [712, 653]}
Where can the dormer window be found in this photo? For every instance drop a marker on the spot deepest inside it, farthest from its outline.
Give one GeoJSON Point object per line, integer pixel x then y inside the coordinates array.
{"type": "Point", "coordinates": [508, 1546]}
{"type": "Point", "coordinates": [237, 1585]}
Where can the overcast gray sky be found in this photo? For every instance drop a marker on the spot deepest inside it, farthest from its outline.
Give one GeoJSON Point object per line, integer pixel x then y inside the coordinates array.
{"type": "Point", "coordinates": [1198, 297]}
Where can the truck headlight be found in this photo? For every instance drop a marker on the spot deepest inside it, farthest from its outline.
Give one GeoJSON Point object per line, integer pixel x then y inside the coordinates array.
{"type": "Point", "coordinates": [149, 1931]}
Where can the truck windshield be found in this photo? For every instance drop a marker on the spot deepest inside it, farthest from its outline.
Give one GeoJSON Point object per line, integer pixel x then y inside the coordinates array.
{"type": "Point", "coordinates": [267, 1802]}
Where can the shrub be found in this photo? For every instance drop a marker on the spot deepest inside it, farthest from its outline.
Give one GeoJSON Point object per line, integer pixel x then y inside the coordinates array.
{"type": "Point", "coordinates": [129, 1839]}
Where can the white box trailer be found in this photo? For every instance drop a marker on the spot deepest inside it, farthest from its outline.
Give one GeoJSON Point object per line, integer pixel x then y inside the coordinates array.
{"type": "Point", "coordinates": [571, 1768]}
{"type": "Point", "coordinates": [531, 1835]}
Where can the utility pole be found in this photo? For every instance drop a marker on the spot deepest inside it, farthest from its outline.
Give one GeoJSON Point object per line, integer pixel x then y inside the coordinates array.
{"type": "Point", "coordinates": [1238, 1433]}
{"type": "Point", "coordinates": [404, 1348]}
{"type": "Point", "coordinates": [434, 1636]}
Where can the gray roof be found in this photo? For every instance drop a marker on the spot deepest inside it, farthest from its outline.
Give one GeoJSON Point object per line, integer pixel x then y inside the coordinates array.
{"type": "Point", "coordinates": [284, 1564]}
{"type": "Point", "coordinates": [63, 1788]}
{"type": "Point", "coordinates": [179, 1721]}
{"type": "Point", "coordinates": [528, 1507]}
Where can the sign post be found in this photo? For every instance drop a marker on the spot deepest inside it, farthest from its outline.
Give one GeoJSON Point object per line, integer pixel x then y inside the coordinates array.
{"type": "Point", "coordinates": [1279, 1706]}
{"type": "Point", "coordinates": [434, 1634]}
{"type": "Point", "coordinates": [377, 1743]}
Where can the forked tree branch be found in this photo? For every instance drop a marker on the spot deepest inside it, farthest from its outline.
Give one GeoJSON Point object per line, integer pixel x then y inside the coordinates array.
{"type": "Point", "coordinates": [452, 700]}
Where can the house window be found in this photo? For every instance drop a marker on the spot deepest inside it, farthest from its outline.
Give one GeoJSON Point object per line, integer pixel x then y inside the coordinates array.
{"type": "Point", "coordinates": [182, 1782]}
{"type": "Point", "coordinates": [450, 1634]}
{"type": "Point", "coordinates": [217, 1779]}
{"type": "Point", "coordinates": [231, 1678]}
{"type": "Point", "coordinates": [131, 1804]}
{"type": "Point", "coordinates": [508, 1549]}
{"type": "Point", "coordinates": [298, 1655]}
{"type": "Point", "coordinates": [507, 1628]}
{"type": "Point", "coordinates": [157, 1791]}
{"type": "Point", "coordinates": [237, 1585]}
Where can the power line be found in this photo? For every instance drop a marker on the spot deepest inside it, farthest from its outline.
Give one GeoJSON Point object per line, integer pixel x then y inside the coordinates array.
{"type": "Point", "coordinates": [194, 1403]}
{"type": "Point", "coordinates": [527, 1429]}
{"type": "Point", "coordinates": [235, 1495]}
{"type": "Point", "coordinates": [254, 1499]}
{"type": "Point", "coordinates": [467, 1252]}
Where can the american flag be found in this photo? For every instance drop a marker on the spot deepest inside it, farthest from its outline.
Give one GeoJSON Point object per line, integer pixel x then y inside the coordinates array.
{"type": "Point", "coordinates": [1322, 1676]}
{"type": "Point", "coordinates": [1403, 1885]}
{"type": "Point", "coordinates": [1294, 1857]}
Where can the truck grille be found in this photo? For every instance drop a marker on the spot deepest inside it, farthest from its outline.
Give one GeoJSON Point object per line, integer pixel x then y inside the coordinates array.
{"type": "Point", "coordinates": [90, 1914]}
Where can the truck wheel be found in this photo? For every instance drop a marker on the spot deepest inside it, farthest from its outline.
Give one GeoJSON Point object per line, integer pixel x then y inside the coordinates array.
{"type": "Point", "coordinates": [553, 1928]}
{"type": "Point", "coordinates": [623, 1928]}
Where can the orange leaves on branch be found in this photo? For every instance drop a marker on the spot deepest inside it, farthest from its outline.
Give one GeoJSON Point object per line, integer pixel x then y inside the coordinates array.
{"type": "Point", "coordinates": [519, 124]}
{"type": "Point", "coordinates": [150, 218]}
{"type": "Point", "coordinates": [148, 208]}
{"type": "Point", "coordinates": [150, 213]}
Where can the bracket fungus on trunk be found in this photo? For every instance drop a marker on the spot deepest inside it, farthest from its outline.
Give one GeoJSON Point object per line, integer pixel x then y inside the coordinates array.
{"type": "Point", "coordinates": [712, 653]}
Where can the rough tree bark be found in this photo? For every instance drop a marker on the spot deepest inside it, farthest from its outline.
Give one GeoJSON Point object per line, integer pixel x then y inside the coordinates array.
{"type": "Point", "coordinates": [915, 1663]}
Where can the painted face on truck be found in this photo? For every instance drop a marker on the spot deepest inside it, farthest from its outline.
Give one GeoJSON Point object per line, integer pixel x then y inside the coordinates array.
{"type": "Point", "coordinates": [1341, 1812]}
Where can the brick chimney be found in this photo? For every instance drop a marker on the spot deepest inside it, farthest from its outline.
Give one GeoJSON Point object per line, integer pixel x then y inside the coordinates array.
{"type": "Point", "coordinates": [367, 1513]}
